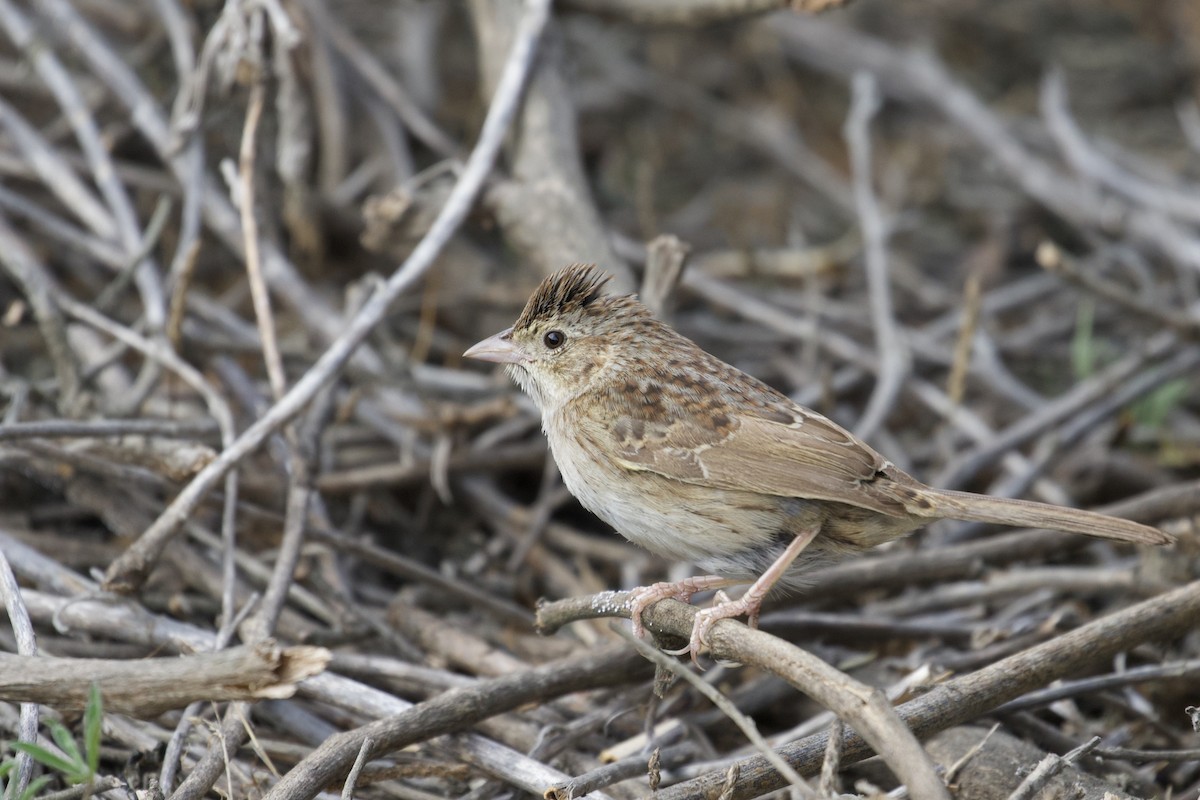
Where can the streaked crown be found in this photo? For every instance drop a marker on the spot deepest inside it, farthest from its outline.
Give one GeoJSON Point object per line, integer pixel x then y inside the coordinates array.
{"type": "Point", "coordinates": [570, 290]}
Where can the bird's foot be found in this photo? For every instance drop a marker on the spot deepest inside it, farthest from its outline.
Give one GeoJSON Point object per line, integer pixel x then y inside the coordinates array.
{"type": "Point", "coordinates": [749, 605]}
{"type": "Point", "coordinates": [646, 596]}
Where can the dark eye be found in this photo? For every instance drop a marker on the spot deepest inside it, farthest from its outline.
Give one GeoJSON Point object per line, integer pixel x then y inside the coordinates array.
{"type": "Point", "coordinates": [554, 339]}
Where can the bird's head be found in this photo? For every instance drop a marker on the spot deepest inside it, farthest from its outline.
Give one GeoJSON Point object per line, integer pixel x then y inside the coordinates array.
{"type": "Point", "coordinates": [566, 336]}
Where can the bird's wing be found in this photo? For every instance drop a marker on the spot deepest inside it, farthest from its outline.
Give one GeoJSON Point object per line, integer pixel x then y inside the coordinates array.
{"type": "Point", "coordinates": [786, 451]}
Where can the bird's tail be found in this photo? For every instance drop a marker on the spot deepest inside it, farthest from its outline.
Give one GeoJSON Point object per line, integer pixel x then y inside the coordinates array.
{"type": "Point", "coordinates": [1028, 514]}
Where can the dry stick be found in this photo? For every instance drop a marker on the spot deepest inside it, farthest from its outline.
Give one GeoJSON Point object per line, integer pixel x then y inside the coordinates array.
{"type": "Point", "coordinates": [23, 266]}
{"type": "Point", "coordinates": [1082, 395]}
{"type": "Point", "coordinates": [412, 570]}
{"type": "Point", "coordinates": [966, 698]}
{"type": "Point", "coordinates": [986, 366]}
{"type": "Point", "coordinates": [1172, 200]}
{"type": "Point", "coordinates": [190, 162]}
{"type": "Point", "coordinates": [258, 288]}
{"type": "Point", "coordinates": [512, 766]}
{"type": "Point", "coordinates": [624, 769]}
{"type": "Point", "coordinates": [1053, 259]}
{"type": "Point", "coordinates": [1188, 112]}
{"type": "Point", "coordinates": [264, 670]}
{"type": "Point", "coordinates": [777, 139]}
{"type": "Point", "coordinates": [515, 519]}
{"type": "Point", "coordinates": [1182, 364]}
{"type": "Point", "coordinates": [354, 479]}
{"type": "Point", "coordinates": [178, 28]}
{"type": "Point", "coordinates": [1147, 756]}
{"type": "Point", "coordinates": [100, 786]}
{"type": "Point", "coordinates": [188, 168]}
{"type": "Point", "coordinates": [129, 571]}
{"type": "Point", "coordinates": [662, 661]}
{"type": "Point", "coordinates": [298, 493]}
{"type": "Point", "coordinates": [685, 12]}
{"type": "Point", "coordinates": [725, 294]}
{"type": "Point", "coordinates": [545, 210]}
{"type": "Point", "coordinates": [861, 706]}
{"type": "Point", "coordinates": [334, 120]}
{"type": "Point", "coordinates": [54, 172]}
{"type": "Point", "coordinates": [856, 627]}
{"type": "Point", "coordinates": [379, 79]}
{"type": "Point", "coordinates": [72, 236]}
{"type": "Point", "coordinates": [123, 220]}
{"type": "Point", "coordinates": [298, 498]}
{"type": "Point", "coordinates": [87, 133]}
{"type": "Point", "coordinates": [262, 624]}
{"type": "Point", "coordinates": [174, 750]}
{"type": "Point", "coordinates": [458, 709]}
{"type": "Point", "coordinates": [356, 770]}
{"type": "Point", "coordinates": [953, 770]}
{"type": "Point", "coordinates": [127, 269]}
{"type": "Point", "coordinates": [551, 496]}
{"type": "Point", "coordinates": [229, 738]}
{"type": "Point", "coordinates": [159, 352]}
{"type": "Point", "coordinates": [521, 771]}
{"type": "Point", "coordinates": [126, 622]}
{"type": "Point", "coordinates": [1111, 582]}
{"type": "Point", "coordinates": [18, 617]}
{"type": "Point", "coordinates": [119, 620]}
{"type": "Point", "coordinates": [41, 570]}
{"type": "Point", "coordinates": [1179, 669]}
{"type": "Point", "coordinates": [457, 649]}
{"type": "Point", "coordinates": [894, 359]}
{"type": "Point", "coordinates": [975, 427]}
{"type": "Point", "coordinates": [664, 267]}
{"type": "Point", "coordinates": [234, 731]}
{"type": "Point", "coordinates": [1048, 767]}
{"type": "Point", "coordinates": [956, 383]}
{"type": "Point", "coordinates": [832, 763]}
{"type": "Point", "coordinates": [917, 76]}
{"type": "Point", "coordinates": [305, 600]}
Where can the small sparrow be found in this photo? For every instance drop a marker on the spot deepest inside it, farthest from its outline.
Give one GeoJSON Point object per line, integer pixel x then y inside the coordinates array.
{"type": "Point", "coordinates": [695, 460]}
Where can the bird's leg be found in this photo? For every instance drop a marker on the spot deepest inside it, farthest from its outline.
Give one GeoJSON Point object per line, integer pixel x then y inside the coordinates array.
{"type": "Point", "coordinates": [751, 602]}
{"type": "Point", "coordinates": [646, 596]}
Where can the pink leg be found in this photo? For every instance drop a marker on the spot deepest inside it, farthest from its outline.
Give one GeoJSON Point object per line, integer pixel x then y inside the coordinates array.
{"type": "Point", "coordinates": [682, 590]}
{"type": "Point", "coordinates": [750, 603]}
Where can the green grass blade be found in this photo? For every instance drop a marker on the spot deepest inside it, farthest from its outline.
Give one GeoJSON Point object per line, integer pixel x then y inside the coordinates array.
{"type": "Point", "coordinates": [66, 742]}
{"type": "Point", "coordinates": [92, 717]}
{"type": "Point", "coordinates": [44, 757]}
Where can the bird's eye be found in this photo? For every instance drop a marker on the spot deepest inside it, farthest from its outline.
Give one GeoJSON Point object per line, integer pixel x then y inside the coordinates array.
{"type": "Point", "coordinates": [554, 339]}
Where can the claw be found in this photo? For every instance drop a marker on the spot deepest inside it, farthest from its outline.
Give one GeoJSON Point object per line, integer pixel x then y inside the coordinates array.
{"type": "Point", "coordinates": [706, 618]}
{"type": "Point", "coordinates": [643, 598]}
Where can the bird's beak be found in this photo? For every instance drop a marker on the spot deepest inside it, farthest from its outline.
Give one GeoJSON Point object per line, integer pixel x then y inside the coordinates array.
{"type": "Point", "coordinates": [498, 348]}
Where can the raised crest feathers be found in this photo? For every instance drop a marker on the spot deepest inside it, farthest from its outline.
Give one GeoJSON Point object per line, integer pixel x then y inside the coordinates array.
{"type": "Point", "coordinates": [571, 289]}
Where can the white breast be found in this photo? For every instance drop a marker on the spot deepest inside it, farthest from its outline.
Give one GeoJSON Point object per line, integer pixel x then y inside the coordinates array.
{"type": "Point", "coordinates": [697, 525]}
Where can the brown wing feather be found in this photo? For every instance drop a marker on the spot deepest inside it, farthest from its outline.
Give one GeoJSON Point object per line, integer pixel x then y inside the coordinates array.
{"type": "Point", "coordinates": [810, 458]}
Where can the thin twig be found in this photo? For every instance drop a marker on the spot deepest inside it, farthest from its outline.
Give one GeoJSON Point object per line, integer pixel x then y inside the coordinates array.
{"type": "Point", "coordinates": [356, 770]}
{"type": "Point", "coordinates": [130, 569]}
{"type": "Point", "coordinates": [893, 356]}
{"type": "Point", "coordinates": [18, 617]}
{"type": "Point", "coordinates": [1048, 767]}
{"type": "Point", "coordinates": [744, 723]}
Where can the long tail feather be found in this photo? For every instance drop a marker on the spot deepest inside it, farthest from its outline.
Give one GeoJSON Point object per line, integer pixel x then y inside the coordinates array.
{"type": "Point", "coordinates": [1028, 514]}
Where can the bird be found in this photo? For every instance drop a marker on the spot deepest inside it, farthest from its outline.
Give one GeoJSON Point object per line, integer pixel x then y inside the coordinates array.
{"type": "Point", "coordinates": [697, 461]}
